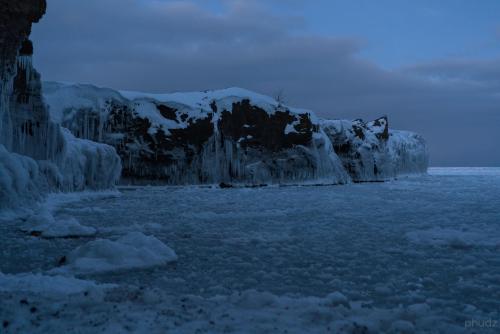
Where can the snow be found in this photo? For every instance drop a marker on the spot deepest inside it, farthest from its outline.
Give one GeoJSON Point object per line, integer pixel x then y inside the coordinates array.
{"type": "Point", "coordinates": [54, 286]}
{"type": "Point", "coordinates": [290, 128]}
{"type": "Point", "coordinates": [134, 250]}
{"type": "Point", "coordinates": [44, 224]}
{"type": "Point", "coordinates": [250, 311]}
{"type": "Point", "coordinates": [65, 99]}
{"type": "Point", "coordinates": [19, 179]}
{"type": "Point", "coordinates": [419, 254]}
{"type": "Point", "coordinates": [202, 100]}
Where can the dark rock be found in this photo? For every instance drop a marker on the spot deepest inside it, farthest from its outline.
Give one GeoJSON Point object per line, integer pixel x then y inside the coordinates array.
{"type": "Point", "coordinates": [62, 261]}
{"type": "Point", "coordinates": [257, 128]}
{"type": "Point", "coordinates": [167, 112]}
{"type": "Point", "coordinates": [16, 18]}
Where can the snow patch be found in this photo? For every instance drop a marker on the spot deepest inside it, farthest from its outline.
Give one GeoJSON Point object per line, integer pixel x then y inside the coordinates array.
{"type": "Point", "coordinates": [132, 251]}
{"type": "Point", "coordinates": [46, 285]}
{"type": "Point", "coordinates": [45, 225]}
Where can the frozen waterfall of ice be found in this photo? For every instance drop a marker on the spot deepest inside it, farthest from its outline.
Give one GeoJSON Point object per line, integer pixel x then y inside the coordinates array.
{"type": "Point", "coordinates": [38, 155]}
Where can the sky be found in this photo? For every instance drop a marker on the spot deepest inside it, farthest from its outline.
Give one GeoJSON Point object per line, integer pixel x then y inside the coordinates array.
{"type": "Point", "coordinates": [432, 67]}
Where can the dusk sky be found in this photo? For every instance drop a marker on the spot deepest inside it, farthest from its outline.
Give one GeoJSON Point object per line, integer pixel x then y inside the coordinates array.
{"type": "Point", "coordinates": [432, 66]}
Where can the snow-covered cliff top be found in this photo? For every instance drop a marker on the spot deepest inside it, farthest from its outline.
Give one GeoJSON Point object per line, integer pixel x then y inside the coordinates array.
{"type": "Point", "coordinates": [64, 96]}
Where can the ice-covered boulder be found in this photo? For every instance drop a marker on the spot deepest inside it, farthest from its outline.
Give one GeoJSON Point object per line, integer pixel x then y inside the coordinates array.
{"type": "Point", "coordinates": [132, 251]}
{"type": "Point", "coordinates": [42, 223]}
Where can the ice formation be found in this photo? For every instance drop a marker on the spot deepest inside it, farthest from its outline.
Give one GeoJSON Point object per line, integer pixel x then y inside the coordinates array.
{"type": "Point", "coordinates": [231, 136]}
{"type": "Point", "coordinates": [43, 223]}
{"type": "Point", "coordinates": [36, 154]}
{"type": "Point", "coordinates": [132, 251]}
{"type": "Point", "coordinates": [372, 152]}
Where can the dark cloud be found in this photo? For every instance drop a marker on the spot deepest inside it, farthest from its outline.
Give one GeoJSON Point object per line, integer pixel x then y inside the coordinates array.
{"type": "Point", "coordinates": [163, 46]}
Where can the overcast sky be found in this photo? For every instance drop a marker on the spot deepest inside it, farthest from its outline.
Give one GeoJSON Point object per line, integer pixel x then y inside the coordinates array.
{"type": "Point", "coordinates": [431, 66]}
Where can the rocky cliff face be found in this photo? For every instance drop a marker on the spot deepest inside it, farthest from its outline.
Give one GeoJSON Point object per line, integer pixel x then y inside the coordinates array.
{"type": "Point", "coordinates": [16, 18]}
{"type": "Point", "coordinates": [231, 136]}
{"type": "Point", "coordinates": [36, 154]}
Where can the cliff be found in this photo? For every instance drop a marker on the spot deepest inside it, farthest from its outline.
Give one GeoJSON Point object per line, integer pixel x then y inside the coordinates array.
{"type": "Point", "coordinates": [232, 136]}
{"type": "Point", "coordinates": [36, 154]}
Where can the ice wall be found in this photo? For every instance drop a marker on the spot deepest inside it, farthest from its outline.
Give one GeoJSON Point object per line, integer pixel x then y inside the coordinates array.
{"type": "Point", "coordinates": [20, 179]}
{"type": "Point", "coordinates": [37, 155]}
{"type": "Point", "coordinates": [408, 152]}
{"type": "Point", "coordinates": [372, 152]}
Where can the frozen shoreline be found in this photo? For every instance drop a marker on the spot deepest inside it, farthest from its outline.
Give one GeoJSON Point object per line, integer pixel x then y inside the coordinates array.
{"type": "Point", "coordinates": [418, 254]}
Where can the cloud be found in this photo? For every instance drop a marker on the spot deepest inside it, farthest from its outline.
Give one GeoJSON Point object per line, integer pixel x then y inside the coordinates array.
{"type": "Point", "coordinates": [163, 46]}
{"type": "Point", "coordinates": [483, 74]}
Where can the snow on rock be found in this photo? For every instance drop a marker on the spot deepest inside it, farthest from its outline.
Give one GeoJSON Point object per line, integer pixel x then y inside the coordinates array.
{"type": "Point", "coordinates": [372, 152]}
{"type": "Point", "coordinates": [46, 157]}
{"type": "Point", "coordinates": [43, 223]}
{"type": "Point", "coordinates": [231, 136]}
{"type": "Point", "coordinates": [132, 251]}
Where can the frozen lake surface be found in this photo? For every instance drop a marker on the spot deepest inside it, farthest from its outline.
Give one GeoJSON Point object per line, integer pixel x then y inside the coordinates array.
{"type": "Point", "coordinates": [418, 254]}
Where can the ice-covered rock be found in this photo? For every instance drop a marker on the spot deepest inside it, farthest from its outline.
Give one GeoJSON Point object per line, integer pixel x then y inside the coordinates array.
{"type": "Point", "coordinates": [373, 152]}
{"type": "Point", "coordinates": [19, 178]}
{"type": "Point", "coordinates": [408, 152]}
{"type": "Point", "coordinates": [231, 136]}
{"type": "Point", "coordinates": [36, 153]}
{"type": "Point", "coordinates": [132, 251]}
{"type": "Point", "coordinates": [42, 223]}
